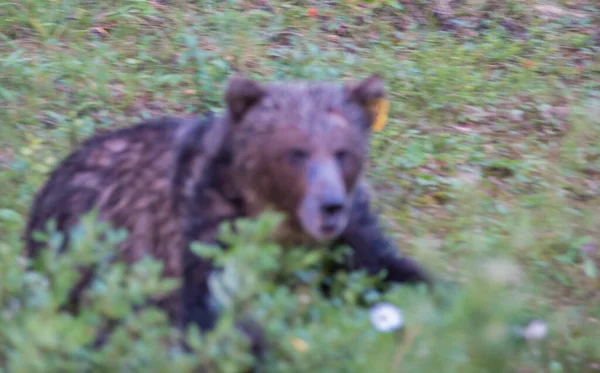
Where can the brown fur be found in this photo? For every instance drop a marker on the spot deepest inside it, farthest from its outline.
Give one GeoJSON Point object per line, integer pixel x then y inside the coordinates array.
{"type": "Point", "coordinates": [297, 147]}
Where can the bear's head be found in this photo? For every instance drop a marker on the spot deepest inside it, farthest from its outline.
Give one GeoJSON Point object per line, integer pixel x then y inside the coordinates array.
{"type": "Point", "coordinates": [301, 147]}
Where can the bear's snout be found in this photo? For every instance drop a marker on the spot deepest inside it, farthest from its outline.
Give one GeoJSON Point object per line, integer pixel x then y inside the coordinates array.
{"type": "Point", "coordinates": [323, 210]}
{"type": "Point", "coordinates": [332, 210]}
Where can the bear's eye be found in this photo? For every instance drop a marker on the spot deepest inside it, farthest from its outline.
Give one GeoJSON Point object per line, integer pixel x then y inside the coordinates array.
{"type": "Point", "coordinates": [342, 156]}
{"type": "Point", "coordinates": [297, 157]}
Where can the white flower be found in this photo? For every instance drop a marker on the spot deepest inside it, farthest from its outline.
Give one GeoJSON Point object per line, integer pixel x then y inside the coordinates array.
{"type": "Point", "coordinates": [536, 330]}
{"type": "Point", "coordinates": [386, 317]}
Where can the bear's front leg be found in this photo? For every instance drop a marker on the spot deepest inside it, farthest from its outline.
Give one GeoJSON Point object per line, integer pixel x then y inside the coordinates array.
{"type": "Point", "coordinates": [195, 294]}
{"type": "Point", "coordinates": [372, 250]}
{"type": "Point", "coordinates": [197, 302]}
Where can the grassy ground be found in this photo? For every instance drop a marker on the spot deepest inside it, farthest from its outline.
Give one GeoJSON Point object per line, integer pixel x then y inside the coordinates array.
{"type": "Point", "coordinates": [493, 143]}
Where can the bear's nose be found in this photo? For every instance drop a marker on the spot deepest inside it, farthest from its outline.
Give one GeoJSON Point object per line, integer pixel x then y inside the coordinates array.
{"type": "Point", "coordinates": [332, 206]}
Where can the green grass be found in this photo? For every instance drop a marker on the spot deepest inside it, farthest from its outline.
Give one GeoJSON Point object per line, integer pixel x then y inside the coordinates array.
{"type": "Point", "coordinates": [492, 147]}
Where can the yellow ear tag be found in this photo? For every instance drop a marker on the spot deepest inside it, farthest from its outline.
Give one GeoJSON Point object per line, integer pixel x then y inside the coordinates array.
{"type": "Point", "coordinates": [380, 109]}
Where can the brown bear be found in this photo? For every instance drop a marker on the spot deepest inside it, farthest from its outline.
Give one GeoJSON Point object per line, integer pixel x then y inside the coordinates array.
{"type": "Point", "coordinates": [296, 147]}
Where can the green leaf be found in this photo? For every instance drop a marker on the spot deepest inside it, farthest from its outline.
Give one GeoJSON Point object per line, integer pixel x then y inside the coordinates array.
{"type": "Point", "coordinates": [590, 269]}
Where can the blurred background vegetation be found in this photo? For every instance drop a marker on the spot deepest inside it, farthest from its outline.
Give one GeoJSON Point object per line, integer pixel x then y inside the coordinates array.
{"type": "Point", "coordinates": [488, 171]}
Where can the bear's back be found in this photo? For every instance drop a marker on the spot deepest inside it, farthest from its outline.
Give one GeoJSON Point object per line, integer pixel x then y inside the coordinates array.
{"type": "Point", "coordinates": [126, 175]}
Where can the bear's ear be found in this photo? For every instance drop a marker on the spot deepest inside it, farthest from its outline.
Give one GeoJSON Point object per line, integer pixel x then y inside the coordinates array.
{"type": "Point", "coordinates": [241, 94]}
{"type": "Point", "coordinates": [370, 93]}
{"type": "Point", "coordinates": [367, 90]}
